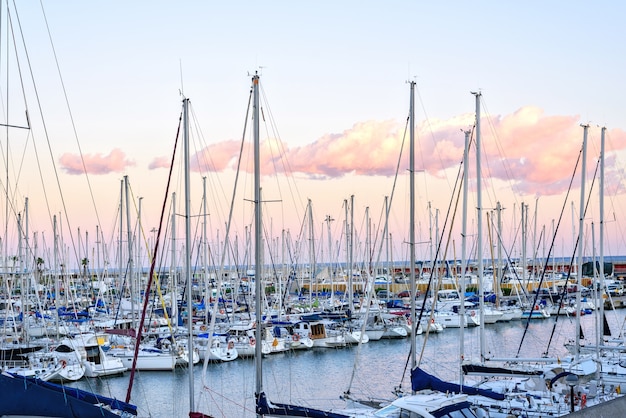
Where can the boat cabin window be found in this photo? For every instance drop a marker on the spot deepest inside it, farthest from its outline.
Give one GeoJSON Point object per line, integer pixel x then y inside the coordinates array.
{"type": "Point", "coordinates": [93, 354]}
{"type": "Point", "coordinates": [447, 294]}
{"type": "Point", "coordinates": [454, 411]}
{"type": "Point", "coordinates": [461, 413]}
{"type": "Point", "coordinates": [392, 411]}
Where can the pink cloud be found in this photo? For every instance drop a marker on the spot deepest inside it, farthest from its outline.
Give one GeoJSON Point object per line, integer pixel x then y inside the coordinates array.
{"type": "Point", "coordinates": [534, 152]}
{"type": "Point", "coordinates": [216, 157]}
{"type": "Point", "coordinates": [538, 153]}
{"type": "Point", "coordinates": [368, 148]}
{"type": "Point", "coordinates": [160, 162]}
{"type": "Point", "coordinates": [95, 163]}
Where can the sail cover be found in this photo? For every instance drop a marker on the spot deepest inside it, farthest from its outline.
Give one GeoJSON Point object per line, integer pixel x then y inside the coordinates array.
{"type": "Point", "coordinates": [265, 407]}
{"type": "Point", "coordinates": [421, 380]}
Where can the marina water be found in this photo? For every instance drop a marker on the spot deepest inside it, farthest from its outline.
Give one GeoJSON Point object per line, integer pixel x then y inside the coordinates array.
{"type": "Point", "coordinates": [318, 377]}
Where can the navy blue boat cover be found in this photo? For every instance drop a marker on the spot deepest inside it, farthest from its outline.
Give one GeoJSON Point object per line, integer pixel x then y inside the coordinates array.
{"type": "Point", "coordinates": [421, 380]}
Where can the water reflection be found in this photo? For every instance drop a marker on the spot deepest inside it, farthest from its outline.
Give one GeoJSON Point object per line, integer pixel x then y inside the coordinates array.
{"type": "Point", "coordinates": [318, 377]}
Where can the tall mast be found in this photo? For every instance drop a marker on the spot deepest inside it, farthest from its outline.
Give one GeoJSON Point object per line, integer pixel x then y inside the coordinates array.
{"type": "Point", "coordinates": [463, 250]}
{"type": "Point", "coordinates": [120, 259]}
{"type": "Point", "coordinates": [188, 249]}
{"type": "Point", "coordinates": [131, 279]}
{"type": "Point", "coordinates": [26, 232]}
{"type": "Point", "coordinates": [412, 223]}
{"type": "Point", "coordinates": [351, 255]}
{"type": "Point", "coordinates": [581, 224]}
{"type": "Point", "coordinates": [601, 247]}
{"type": "Point", "coordinates": [173, 282]}
{"type": "Point", "coordinates": [479, 225]}
{"type": "Point", "coordinates": [329, 219]}
{"type": "Point", "coordinates": [205, 246]}
{"type": "Point", "coordinates": [137, 242]}
{"type": "Point", "coordinates": [499, 240]}
{"type": "Point", "coordinates": [258, 274]}
{"type": "Point", "coordinates": [311, 252]}
{"type": "Point", "coordinates": [389, 274]}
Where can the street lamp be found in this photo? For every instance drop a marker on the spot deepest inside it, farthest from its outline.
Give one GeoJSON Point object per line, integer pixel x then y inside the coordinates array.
{"type": "Point", "coordinates": [571, 380]}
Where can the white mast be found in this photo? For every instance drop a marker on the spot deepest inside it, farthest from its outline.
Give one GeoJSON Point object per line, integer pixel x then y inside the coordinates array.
{"type": "Point", "coordinates": [205, 252]}
{"type": "Point", "coordinates": [499, 240]}
{"type": "Point", "coordinates": [581, 224]}
{"type": "Point", "coordinates": [351, 255]}
{"type": "Point", "coordinates": [329, 219]}
{"type": "Point", "coordinates": [412, 223]}
{"type": "Point", "coordinates": [388, 273]}
{"type": "Point", "coordinates": [120, 265]}
{"type": "Point", "coordinates": [188, 249]}
{"type": "Point", "coordinates": [173, 282]}
{"type": "Point", "coordinates": [479, 244]}
{"type": "Point", "coordinates": [463, 250]}
{"type": "Point", "coordinates": [524, 237]}
{"type": "Point", "coordinates": [601, 247]}
{"type": "Point", "coordinates": [257, 240]}
{"type": "Point", "coordinates": [311, 253]}
{"type": "Point", "coordinates": [131, 279]}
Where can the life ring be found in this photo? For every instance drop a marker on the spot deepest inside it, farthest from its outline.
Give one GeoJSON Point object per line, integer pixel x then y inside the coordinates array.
{"type": "Point", "coordinates": [252, 341]}
{"type": "Point", "coordinates": [202, 327]}
{"type": "Point", "coordinates": [473, 313]}
{"type": "Point", "coordinates": [63, 364]}
{"type": "Point", "coordinates": [231, 345]}
{"type": "Point", "coordinates": [222, 311]}
{"type": "Point", "coordinates": [536, 307]}
{"type": "Point", "coordinates": [296, 337]}
{"type": "Point", "coordinates": [432, 320]}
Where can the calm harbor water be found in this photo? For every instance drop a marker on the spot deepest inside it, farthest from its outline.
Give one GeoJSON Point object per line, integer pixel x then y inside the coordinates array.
{"type": "Point", "coordinates": [318, 377]}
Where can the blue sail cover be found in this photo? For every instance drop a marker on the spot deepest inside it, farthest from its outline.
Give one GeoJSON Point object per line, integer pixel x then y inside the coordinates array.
{"type": "Point", "coordinates": [265, 407]}
{"type": "Point", "coordinates": [421, 380]}
{"type": "Point", "coordinates": [34, 397]}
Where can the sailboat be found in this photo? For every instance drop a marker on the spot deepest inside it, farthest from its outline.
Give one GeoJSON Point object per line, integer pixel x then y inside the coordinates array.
{"type": "Point", "coordinates": [545, 383]}
{"type": "Point", "coordinates": [188, 276]}
{"type": "Point", "coordinates": [24, 396]}
{"type": "Point", "coordinates": [31, 396]}
{"type": "Point", "coordinates": [430, 397]}
{"type": "Point", "coordinates": [264, 407]}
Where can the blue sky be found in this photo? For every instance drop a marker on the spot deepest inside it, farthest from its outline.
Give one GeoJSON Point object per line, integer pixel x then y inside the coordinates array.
{"type": "Point", "coordinates": [333, 73]}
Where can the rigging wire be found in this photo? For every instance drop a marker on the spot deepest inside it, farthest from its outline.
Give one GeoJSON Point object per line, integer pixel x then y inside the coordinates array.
{"type": "Point", "coordinates": [564, 291]}
{"type": "Point", "coordinates": [62, 197]}
{"type": "Point", "coordinates": [393, 186]}
{"type": "Point", "coordinates": [227, 234]}
{"type": "Point", "coordinates": [432, 135]}
{"type": "Point", "coordinates": [551, 248]}
{"type": "Point", "coordinates": [152, 265]}
{"type": "Point", "coordinates": [503, 158]}
{"type": "Point", "coordinates": [282, 153]}
{"type": "Point", "coordinates": [450, 216]}
{"type": "Point", "coordinates": [618, 186]}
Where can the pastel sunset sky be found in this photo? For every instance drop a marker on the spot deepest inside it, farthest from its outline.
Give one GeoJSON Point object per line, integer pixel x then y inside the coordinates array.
{"type": "Point", "coordinates": [103, 85]}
